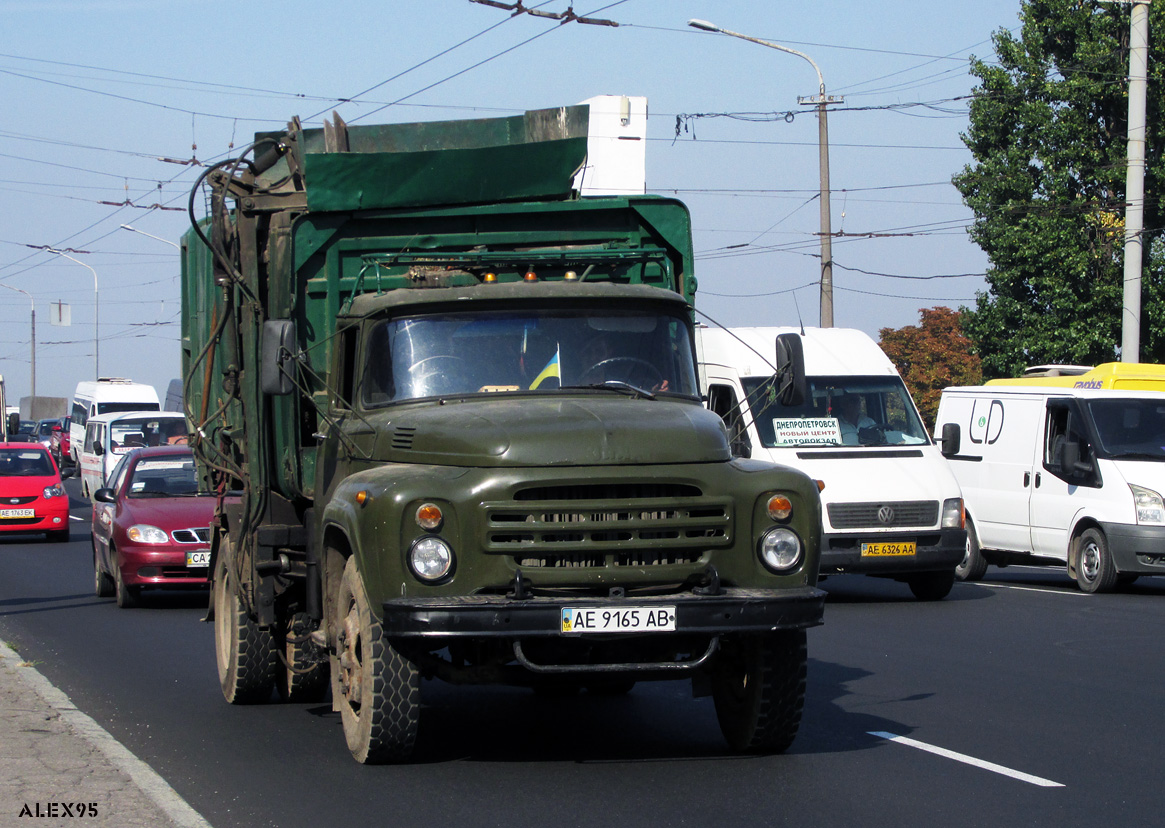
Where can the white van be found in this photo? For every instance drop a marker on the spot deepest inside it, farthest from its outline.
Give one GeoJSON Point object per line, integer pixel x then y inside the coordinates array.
{"type": "Point", "coordinates": [891, 506]}
{"type": "Point", "coordinates": [106, 395]}
{"type": "Point", "coordinates": [1068, 476]}
{"type": "Point", "coordinates": [109, 436]}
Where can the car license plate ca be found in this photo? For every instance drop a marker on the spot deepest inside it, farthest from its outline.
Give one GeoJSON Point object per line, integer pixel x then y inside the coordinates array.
{"type": "Point", "coordinates": [618, 619]}
{"type": "Point", "coordinates": [200, 558]}
{"type": "Point", "coordinates": [888, 550]}
{"type": "Point", "coordinates": [17, 513]}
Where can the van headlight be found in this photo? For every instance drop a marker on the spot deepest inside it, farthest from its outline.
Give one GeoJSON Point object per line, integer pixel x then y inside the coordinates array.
{"type": "Point", "coordinates": [780, 549]}
{"type": "Point", "coordinates": [953, 513]}
{"type": "Point", "coordinates": [1150, 506]}
{"type": "Point", "coordinates": [431, 558]}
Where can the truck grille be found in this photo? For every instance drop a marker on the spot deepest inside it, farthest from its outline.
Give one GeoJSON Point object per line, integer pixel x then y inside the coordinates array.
{"type": "Point", "coordinates": [619, 525]}
{"type": "Point", "coordinates": [883, 515]}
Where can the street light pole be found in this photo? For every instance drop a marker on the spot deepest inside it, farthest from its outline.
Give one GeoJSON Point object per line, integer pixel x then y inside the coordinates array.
{"type": "Point", "coordinates": [151, 235]}
{"type": "Point", "coordinates": [32, 311]}
{"type": "Point", "coordinates": [1135, 183]}
{"type": "Point", "coordinates": [96, 326]}
{"type": "Point", "coordinates": [822, 100]}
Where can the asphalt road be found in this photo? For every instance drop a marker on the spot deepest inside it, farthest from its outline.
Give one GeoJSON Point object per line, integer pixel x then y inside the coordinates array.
{"type": "Point", "coordinates": [1015, 701]}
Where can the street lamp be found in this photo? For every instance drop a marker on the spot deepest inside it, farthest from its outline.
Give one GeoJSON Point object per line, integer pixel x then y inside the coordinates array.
{"type": "Point", "coordinates": [96, 328]}
{"type": "Point", "coordinates": [33, 312]}
{"type": "Point", "coordinates": [823, 154]}
{"type": "Point", "coordinates": [151, 235]}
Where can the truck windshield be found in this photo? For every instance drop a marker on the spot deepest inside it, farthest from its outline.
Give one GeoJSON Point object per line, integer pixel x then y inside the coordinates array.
{"type": "Point", "coordinates": [533, 352]}
{"type": "Point", "coordinates": [1130, 427]}
{"type": "Point", "coordinates": [838, 411]}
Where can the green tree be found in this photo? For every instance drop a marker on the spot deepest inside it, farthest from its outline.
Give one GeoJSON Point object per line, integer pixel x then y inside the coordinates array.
{"type": "Point", "coordinates": [931, 356]}
{"type": "Point", "coordinates": [1047, 130]}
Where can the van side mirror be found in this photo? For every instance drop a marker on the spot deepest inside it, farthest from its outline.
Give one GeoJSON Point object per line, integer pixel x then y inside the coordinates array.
{"type": "Point", "coordinates": [952, 439]}
{"type": "Point", "coordinates": [1070, 463]}
{"type": "Point", "coordinates": [13, 423]}
{"type": "Point", "coordinates": [792, 387]}
{"type": "Point", "coordinates": [277, 358]}
{"type": "Point", "coordinates": [98, 449]}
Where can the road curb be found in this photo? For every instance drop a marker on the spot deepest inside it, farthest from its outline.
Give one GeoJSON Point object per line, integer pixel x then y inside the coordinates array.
{"type": "Point", "coordinates": [147, 780]}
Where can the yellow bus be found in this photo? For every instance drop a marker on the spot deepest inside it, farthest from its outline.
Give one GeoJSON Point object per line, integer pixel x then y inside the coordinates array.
{"type": "Point", "coordinates": [1123, 376]}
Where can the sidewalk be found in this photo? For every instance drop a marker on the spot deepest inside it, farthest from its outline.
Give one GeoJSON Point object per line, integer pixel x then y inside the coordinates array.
{"type": "Point", "coordinates": [59, 767]}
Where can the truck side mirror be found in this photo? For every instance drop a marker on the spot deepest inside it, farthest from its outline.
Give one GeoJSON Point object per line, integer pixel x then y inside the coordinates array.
{"type": "Point", "coordinates": [792, 387]}
{"type": "Point", "coordinates": [13, 422]}
{"type": "Point", "coordinates": [277, 358]}
{"type": "Point", "coordinates": [98, 449]}
{"type": "Point", "coordinates": [952, 439]}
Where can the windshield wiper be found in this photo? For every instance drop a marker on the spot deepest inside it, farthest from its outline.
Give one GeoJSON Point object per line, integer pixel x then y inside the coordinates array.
{"type": "Point", "coordinates": [1138, 455]}
{"type": "Point", "coordinates": [619, 387]}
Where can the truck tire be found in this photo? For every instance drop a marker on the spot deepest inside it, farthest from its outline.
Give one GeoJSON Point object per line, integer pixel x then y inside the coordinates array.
{"type": "Point", "coordinates": [127, 596]}
{"type": "Point", "coordinates": [377, 689]}
{"type": "Point", "coordinates": [973, 566]}
{"type": "Point", "coordinates": [102, 583]}
{"type": "Point", "coordinates": [246, 659]}
{"type": "Point", "coordinates": [931, 586]}
{"type": "Point", "coordinates": [1095, 569]}
{"type": "Point", "coordinates": [304, 677]}
{"type": "Point", "coordinates": [758, 687]}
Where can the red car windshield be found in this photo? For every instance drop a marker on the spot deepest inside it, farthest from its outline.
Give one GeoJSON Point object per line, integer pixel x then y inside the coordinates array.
{"type": "Point", "coordinates": [24, 463]}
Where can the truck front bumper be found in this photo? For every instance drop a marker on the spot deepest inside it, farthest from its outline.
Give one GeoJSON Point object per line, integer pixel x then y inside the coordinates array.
{"type": "Point", "coordinates": [935, 550]}
{"type": "Point", "coordinates": [733, 610]}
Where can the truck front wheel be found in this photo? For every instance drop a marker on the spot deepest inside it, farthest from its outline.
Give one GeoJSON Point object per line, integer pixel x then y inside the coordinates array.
{"type": "Point", "coordinates": [758, 686]}
{"type": "Point", "coordinates": [246, 658]}
{"type": "Point", "coordinates": [377, 690]}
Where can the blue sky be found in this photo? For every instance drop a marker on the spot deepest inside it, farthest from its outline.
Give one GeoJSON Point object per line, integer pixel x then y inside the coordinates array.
{"type": "Point", "coordinates": [98, 92]}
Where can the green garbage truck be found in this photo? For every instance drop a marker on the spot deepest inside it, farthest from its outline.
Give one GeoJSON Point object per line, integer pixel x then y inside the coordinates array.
{"type": "Point", "coordinates": [451, 413]}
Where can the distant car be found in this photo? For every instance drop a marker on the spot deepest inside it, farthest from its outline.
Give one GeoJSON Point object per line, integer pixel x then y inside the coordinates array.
{"type": "Point", "coordinates": [151, 525]}
{"type": "Point", "coordinates": [32, 498]}
{"type": "Point", "coordinates": [44, 431]}
{"type": "Point", "coordinates": [25, 433]}
{"type": "Point", "coordinates": [59, 444]}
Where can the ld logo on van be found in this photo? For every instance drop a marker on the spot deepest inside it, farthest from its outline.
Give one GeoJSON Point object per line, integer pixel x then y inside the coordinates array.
{"type": "Point", "coordinates": [985, 426]}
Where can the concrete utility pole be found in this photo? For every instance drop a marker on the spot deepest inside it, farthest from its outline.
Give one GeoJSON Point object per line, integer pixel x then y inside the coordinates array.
{"type": "Point", "coordinates": [1135, 183]}
{"type": "Point", "coordinates": [823, 163]}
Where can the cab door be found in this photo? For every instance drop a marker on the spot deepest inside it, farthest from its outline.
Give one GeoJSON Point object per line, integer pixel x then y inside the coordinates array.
{"type": "Point", "coordinates": [1059, 492]}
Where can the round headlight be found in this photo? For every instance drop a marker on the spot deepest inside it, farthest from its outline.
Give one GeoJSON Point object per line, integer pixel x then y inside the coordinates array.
{"type": "Point", "coordinates": [780, 549]}
{"type": "Point", "coordinates": [144, 533]}
{"type": "Point", "coordinates": [53, 491]}
{"type": "Point", "coordinates": [431, 559]}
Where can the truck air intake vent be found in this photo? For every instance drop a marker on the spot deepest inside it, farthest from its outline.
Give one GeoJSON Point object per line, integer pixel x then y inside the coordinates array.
{"type": "Point", "coordinates": [608, 526]}
{"type": "Point", "coordinates": [402, 438]}
{"type": "Point", "coordinates": [882, 515]}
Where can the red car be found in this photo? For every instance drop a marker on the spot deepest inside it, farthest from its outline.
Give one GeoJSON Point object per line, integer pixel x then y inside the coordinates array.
{"type": "Point", "coordinates": [151, 526]}
{"type": "Point", "coordinates": [32, 498]}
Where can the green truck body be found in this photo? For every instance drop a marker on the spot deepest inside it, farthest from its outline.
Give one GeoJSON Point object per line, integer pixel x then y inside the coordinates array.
{"type": "Point", "coordinates": [451, 412]}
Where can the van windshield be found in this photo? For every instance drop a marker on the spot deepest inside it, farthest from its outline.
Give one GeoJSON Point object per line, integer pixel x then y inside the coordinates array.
{"type": "Point", "coordinates": [838, 411]}
{"type": "Point", "coordinates": [1129, 427]}
{"type": "Point", "coordinates": [116, 407]}
{"type": "Point", "coordinates": [538, 351]}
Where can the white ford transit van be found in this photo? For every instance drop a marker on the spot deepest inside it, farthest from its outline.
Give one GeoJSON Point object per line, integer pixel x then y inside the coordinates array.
{"type": "Point", "coordinates": [891, 506]}
{"type": "Point", "coordinates": [106, 395]}
{"type": "Point", "coordinates": [1069, 476]}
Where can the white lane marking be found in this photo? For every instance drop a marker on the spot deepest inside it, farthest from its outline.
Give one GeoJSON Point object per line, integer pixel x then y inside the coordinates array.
{"type": "Point", "coordinates": [1049, 590]}
{"type": "Point", "coordinates": [145, 777]}
{"type": "Point", "coordinates": [970, 760]}
{"type": "Point", "coordinates": [74, 517]}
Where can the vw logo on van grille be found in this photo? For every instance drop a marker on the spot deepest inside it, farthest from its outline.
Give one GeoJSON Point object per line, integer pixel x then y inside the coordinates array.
{"type": "Point", "coordinates": [886, 515]}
